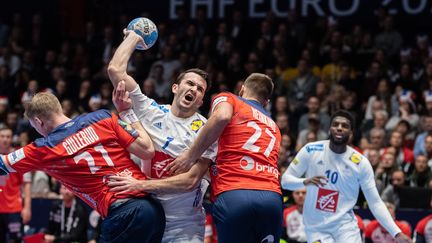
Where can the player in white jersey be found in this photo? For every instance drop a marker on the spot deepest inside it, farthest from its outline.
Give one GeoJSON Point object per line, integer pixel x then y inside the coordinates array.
{"type": "Point", "coordinates": [334, 172]}
{"type": "Point", "coordinates": [172, 129]}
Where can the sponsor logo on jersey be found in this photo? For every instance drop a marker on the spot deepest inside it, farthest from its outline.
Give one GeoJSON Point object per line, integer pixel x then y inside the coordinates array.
{"type": "Point", "coordinates": [128, 128]}
{"type": "Point", "coordinates": [355, 158]}
{"type": "Point", "coordinates": [317, 241]}
{"type": "Point", "coordinates": [327, 200]}
{"type": "Point", "coordinates": [314, 147]}
{"type": "Point", "coordinates": [158, 125]}
{"type": "Point", "coordinates": [247, 164]}
{"type": "Point", "coordinates": [213, 169]}
{"type": "Point", "coordinates": [295, 161]}
{"type": "Point", "coordinates": [196, 125]}
{"type": "Point", "coordinates": [16, 156]}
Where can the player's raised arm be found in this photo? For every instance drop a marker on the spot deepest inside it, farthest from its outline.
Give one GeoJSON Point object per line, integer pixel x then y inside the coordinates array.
{"type": "Point", "coordinates": [142, 146]}
{"type": "Point", "coordinates": [220, 117]}
{"type": "Point", "coordinates": [117, 68]}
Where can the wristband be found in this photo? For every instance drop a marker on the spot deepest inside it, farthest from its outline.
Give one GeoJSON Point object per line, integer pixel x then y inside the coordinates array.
{"type": "Point", "coordinates": [128, 116]}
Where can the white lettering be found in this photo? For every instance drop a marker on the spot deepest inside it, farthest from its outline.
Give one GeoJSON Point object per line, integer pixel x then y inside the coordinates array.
{"type": "Point", "coordinates": [80, 140]}
{"type": "Point", "coordinates": [252, 9]}
{"type": "Point", "coordinates": [264, 119]}
{"type": "Point", "coordinates": [173, 8]}
{"type": "Point", "coordinates": [410, 10]}
{"type": "Point", "coordinates": [314, 4]}
{"type": "Point", "coordinates": [196, 3]}
{"type": "Point", "coordinates": [337, 12]}
{"type": "Point", "coordinates": [222, 4]}
{"type": "Point", "coordinates": [276, 11]}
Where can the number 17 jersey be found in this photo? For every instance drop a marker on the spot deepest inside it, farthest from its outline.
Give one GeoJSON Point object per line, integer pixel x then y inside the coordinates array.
{"type": "Point", "coordinates": [247, 149]}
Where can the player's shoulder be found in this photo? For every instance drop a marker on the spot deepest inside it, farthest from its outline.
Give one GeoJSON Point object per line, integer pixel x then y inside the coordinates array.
{"type": "Point", "coordinates": [287, 211]}
{"type": "Point", "coordinates": [315, 147]}
{"type": "Point", "coordinates": [421, 225]}
{"type": "Point", "coordinates": [355, 156]}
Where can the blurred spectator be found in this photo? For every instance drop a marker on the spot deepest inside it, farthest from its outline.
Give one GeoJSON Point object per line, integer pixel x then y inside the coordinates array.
{"type": "Point", "coordinates": [384, 171]}
{"type": "Point", "coordinates": [389, 193]}
{"type": "Point", "coordinates": [373, 156]}
{"type": "Point", "coordinates": [375, 233]}
{"type": "Point", "coordinates": [210, 235]}
{"type": "Point", "coordinates": [293, 218]}
{"type": "Point", "coordinates": [423, 230]}
{"type": "Point", "coordinates": [389, 39]}
{"type": "Point", "coordinates": [314, 127]}
{"type": "Point", "coordinates": [419, 145]}
{"type": "Point", "coordinates": [422, 174]}
{"type": "Point", "coordinates": [403, 155]}
{"type": "Point", "coordinates": [313, 106]}
{"type": "Point", "coordinates": [67, 220]}
{"type": "Point", "coordinates": [301, 87]}
{"type": "Point", "coordinates": [15, 210]}
{"type": "Point", "coordinates": [7, 57]}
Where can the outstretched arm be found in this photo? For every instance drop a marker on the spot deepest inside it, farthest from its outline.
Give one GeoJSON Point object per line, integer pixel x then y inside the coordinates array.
{"type": "Point", "coordinates": [174, 184]}
{"type": "Point", "coordinates": [211, 131]}
{"type": "Point", "coordinates": [117, 68]}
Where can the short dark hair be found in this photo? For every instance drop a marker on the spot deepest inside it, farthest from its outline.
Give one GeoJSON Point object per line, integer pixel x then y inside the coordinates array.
{"type": "Point", "coordinates": [198, 71]}
{"type": "Point", "coordinates": [345, 114]}
{"type": "Point", "coordinates": [261, 84]}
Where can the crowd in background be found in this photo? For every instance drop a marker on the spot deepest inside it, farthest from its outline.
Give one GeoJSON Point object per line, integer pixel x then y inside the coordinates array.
{"type": "Point", "coordinates": [381, 76]}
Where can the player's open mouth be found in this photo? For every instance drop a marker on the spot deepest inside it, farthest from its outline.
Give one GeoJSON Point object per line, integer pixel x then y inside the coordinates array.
{"type": "Point", "coordinates": [189, 97]}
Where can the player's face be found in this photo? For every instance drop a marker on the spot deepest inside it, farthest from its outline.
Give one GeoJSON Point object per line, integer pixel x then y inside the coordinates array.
{"type": "Point", "coordinates": [189, 93]}
{"type": "Point", "coordinates": [340, 130]}
{"type": "Point", "coordinates": [5, 138]}
{"type": "Point", "coordinates": [299, 196]}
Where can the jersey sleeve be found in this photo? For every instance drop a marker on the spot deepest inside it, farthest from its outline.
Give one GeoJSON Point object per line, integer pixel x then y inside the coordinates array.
{"type": "Point", "coordinates": [222, 97]}
{"type": "Point", "coordinates": [300, 163]}
{"type": "Point", "coordinates": [144, 107]}
{"type": "Point", "coordinates": [366, 177]}
{"type": "Point", "coordinates": [24, 159]}
{"type": "Point", "coordinates": [124, 132]}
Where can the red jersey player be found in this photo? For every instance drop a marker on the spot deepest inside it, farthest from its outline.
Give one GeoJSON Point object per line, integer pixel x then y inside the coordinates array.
{"type": "Point", "coordinates": [82, 153]}
{"type": "Point", "coordinates": [245, 178]}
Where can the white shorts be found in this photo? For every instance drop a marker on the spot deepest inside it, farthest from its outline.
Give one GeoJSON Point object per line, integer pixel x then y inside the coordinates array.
{"type": "Point", "coordinates": [335, 235]}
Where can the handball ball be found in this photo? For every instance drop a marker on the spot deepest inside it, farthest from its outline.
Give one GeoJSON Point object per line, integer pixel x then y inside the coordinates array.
{"type": "Point", "coordinates": [145, 28]}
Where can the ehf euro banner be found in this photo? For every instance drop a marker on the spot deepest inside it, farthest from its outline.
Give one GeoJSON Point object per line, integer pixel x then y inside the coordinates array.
{"type": "Point", "coordinates": [303, 8]}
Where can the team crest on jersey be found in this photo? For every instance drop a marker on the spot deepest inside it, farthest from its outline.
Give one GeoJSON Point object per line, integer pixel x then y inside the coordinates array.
{"type": "Point", "coordinates": [327, 200]}
{"type": "Point", "coordinates": [355, 158]}
{"type": "Point", "coordinates": [16, 156]}
{"type": "Point", "coordinates": [128, 128]}
{"type": "Point", "coordinates": [196, 125]}
{"type": "Point", "coordinates": [314, 147]}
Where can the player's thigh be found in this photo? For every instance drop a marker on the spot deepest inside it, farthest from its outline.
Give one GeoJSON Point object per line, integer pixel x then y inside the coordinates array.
{"type": "Point", "coordinates": [233, 217]}
{"type": "Point", "coordinates": [268, 208]}
{"type": "Point", "coordinates": [137, 220]}
{"type": "Point", "coordinates": [352, 236]}
{"type": "Point", "coordinates": [15, 227]}
{"type": "Point", "coordinates": [320, 237]}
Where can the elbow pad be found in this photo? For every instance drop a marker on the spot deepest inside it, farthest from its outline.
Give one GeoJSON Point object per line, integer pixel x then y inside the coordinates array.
{"type": "Point", "coordinates": [3, 169]}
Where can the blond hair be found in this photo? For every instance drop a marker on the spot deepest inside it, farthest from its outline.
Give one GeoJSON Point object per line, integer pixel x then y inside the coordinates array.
{"type": "Point", "coordinates": [260, 84]}
{"type": "Point", "coordinates": [43, 105]}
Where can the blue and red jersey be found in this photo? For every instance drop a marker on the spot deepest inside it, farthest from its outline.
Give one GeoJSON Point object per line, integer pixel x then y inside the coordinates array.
{"type": "Point", "coordinates": [82, 154]}
{"type": "Point", "coordinates": [247, 149]}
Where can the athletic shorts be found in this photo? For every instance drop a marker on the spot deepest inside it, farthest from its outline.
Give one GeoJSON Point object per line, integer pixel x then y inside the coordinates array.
{"type": "Point", "coordinates": [11, 227]}
{"type": "Point", "coordinates": [136, 220]}
{"type": "Point", "coordinates": [348, 233]}
{"type": "Point", "coordinates": [248, 216]}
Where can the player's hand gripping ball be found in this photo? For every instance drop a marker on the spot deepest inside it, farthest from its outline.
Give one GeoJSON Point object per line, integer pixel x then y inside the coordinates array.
{"type": "Point", "coordinates": [145, 28]}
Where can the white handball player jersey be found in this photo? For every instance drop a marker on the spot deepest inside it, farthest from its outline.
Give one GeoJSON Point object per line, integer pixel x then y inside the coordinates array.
{"type": "Point", "coordinates": [331, 206]}
{"type": "Point", "coordinates": [172, 135]}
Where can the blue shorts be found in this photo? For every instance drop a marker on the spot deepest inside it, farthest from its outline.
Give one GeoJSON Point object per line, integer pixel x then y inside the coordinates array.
{"type": "Point", "coordinates": [11, 227]}
{"type": "Point", "coordinates": [136, 220]}
{"type": "Point", "coordinates": [248, 216]}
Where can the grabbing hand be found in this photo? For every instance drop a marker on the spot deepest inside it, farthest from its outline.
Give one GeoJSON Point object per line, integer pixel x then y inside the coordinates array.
{"type": "Point", "coordinates": [120, 97]}
{"type": "Point", "coordinates": [181, 164]}
{"type": "Point", "coordinates": [316, 180]}
{"type": "Point", "coordinates": [132, 34]}
{"type": "Point", "coordinates": [125, 184]}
